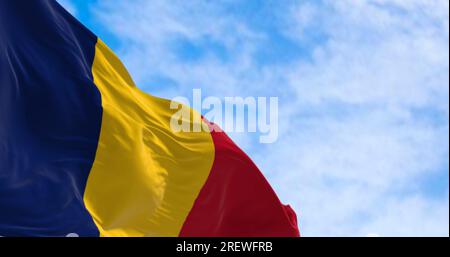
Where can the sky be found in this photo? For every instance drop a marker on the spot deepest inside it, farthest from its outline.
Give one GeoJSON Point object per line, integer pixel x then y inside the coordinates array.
{"type": "Point", "coordinates": [363, 88]}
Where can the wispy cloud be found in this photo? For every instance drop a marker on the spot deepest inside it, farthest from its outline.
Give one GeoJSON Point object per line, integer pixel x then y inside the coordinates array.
{"type": "Point", "coordinates": [371, 117]}
{"type": "Point", "coordinates": [363, 87]}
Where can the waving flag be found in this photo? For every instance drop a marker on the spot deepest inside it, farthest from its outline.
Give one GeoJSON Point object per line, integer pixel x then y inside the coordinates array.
{"type": "Point", "coordinates": [84, 151]}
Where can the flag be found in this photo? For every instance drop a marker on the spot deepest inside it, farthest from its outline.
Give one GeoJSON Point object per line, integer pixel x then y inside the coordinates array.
{"type": "Point", "coordinates": [84, 152]}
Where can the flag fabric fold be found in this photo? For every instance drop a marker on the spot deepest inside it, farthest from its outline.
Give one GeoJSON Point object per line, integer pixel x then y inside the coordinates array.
{"type": "Point", "coordinates": [83, 150]}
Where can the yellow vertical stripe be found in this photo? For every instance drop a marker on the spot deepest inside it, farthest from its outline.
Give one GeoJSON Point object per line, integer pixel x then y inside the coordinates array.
{"type": "Point", "coordinates": [145, 177]}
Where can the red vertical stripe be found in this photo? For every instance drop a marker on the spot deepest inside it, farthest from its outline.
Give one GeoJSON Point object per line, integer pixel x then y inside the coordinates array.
{"type": "Point", "coordinates": [236, 200]}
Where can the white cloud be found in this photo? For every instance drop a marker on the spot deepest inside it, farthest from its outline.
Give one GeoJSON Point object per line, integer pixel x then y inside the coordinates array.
{"type": "Point", "coordinates": [360, 140]}
{"type": "Point", "coordinates": [152, 28]}
{"type": "Point", "coordinates": [364, 112]}
{"type": "Point", "coordinates": [411, 216]}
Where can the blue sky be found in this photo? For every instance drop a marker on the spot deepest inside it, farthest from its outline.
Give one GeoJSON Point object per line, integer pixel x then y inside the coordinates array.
{"type": "Point", "coordinates": [363, 90]}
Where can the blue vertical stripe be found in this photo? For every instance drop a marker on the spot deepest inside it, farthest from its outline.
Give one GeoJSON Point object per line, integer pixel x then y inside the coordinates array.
{"type": "Point", "coordinates": [50, 118]}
